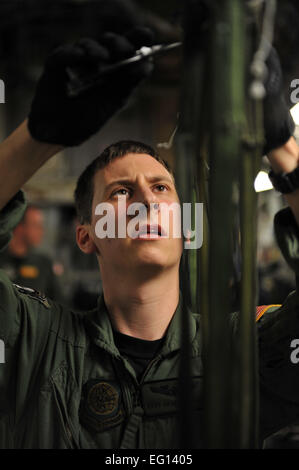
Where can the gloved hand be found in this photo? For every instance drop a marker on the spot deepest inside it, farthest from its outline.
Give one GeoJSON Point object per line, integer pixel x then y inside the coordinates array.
{"type": "Point", "coordinates": [59, 119]}
{"type": "Point", "coordinates": [278, 122]}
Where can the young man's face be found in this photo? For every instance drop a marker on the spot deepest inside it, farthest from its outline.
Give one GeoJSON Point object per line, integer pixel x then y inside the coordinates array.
{"type": "Point", "coordinates": [137, 178]}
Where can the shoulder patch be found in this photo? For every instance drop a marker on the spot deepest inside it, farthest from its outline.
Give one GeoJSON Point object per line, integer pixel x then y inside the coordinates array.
{"type": "Point", "coordinates": [33, 294]}
{"type": "Point", "coordinates": [263, 309]}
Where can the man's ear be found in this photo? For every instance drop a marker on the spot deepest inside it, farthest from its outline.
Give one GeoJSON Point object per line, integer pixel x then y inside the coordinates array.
{"type": "Point", "coordinates": [84, 240]}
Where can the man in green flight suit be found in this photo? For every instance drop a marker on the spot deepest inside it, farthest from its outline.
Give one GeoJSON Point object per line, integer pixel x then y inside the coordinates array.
{"type": "Point", "coordinates": [109, 378]}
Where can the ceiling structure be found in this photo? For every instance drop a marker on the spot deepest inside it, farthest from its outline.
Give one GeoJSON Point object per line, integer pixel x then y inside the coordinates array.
{"type": "Point", "coordinates": [30, 29]}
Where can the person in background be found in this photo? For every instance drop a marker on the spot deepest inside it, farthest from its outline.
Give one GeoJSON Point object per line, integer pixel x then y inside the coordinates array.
{"type": "Point", "coordinates": [22, 262]}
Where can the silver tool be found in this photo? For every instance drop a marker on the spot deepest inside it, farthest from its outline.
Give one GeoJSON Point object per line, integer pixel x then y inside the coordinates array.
{"type": "Point", "coordinates": [78, 84]}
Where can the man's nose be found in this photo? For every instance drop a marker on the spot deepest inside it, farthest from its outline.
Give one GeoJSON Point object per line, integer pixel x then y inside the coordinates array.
{"type": "Point", "coordinates": [147, 197]}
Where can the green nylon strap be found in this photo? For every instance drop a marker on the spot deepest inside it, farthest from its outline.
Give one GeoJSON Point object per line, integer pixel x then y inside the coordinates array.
{"type": "Point", "coordinates": [246, 387]}
{"type": "Point", "coordinates": [185, 148]}
{"type": "Point", "coordinates": [230, 369]}
{"type": "Point", "coordinates": [221, 128]}
{"type": "Point", "coordinates": [226, 129]}
{"type": "Point", "coordinates": [132, 428]}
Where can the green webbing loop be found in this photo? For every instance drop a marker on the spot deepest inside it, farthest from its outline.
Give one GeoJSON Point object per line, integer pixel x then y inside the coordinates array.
{"type": "Point", "coordinates": [132, 428]}
{"type": "Point", "coordinates": [225, 132]}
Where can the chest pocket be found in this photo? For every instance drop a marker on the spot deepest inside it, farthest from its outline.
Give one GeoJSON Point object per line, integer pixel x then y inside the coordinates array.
{"type": "Point", "coordinates": [162, 398]}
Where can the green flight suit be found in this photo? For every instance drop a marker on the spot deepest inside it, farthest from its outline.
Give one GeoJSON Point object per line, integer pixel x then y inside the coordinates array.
{"type": "Point", "coordinates": [64, 384]}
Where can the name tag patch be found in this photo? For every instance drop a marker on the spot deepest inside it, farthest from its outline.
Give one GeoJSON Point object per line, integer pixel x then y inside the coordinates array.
{"type": "Point", "coordinates": [162, 398]}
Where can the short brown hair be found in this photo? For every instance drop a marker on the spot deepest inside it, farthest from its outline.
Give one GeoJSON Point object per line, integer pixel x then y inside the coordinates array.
{"type": "Point", "coordinates": [85, 189]}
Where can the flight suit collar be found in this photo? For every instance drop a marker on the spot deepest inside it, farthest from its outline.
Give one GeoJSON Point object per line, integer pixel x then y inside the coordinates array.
{"type": "Point", "coordinates": [173, 334]}
{"type": "Point", "coordinates": [100, 329]}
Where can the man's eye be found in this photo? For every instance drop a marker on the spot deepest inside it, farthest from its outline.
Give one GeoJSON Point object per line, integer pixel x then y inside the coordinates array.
{"type": "Point", "coordinates": [121, 192]}
{"type": "Point", "coordinates": [161, 187]}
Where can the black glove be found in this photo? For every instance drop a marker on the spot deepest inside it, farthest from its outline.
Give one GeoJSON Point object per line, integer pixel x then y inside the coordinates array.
{"type": "Point", "coordinates": [278, 121]}
{"type": "Point", "coordinates": [59, 119]}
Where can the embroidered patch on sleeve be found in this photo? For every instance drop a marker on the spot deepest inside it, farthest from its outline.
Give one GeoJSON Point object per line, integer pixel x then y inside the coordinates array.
{"type": "Point", "coordinates": [263, 309]}
{"type": "Point", "coordinates": [33, 294]}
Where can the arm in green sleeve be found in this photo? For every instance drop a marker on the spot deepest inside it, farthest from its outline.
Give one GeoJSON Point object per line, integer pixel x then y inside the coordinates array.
{"type": "Point", "coordinates": [10, 216]}
{"type": "Point", "coordinates": [25, 324]}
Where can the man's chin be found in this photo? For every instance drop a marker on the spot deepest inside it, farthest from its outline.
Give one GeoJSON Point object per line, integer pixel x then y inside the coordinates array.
{"type": "Point", "coordinates": [152, 262]}
{"type": "Point", "coordinates": [155, 253]}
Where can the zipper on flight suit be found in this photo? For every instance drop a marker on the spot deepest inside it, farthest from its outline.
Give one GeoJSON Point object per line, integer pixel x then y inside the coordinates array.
{"type": "Point", "coordinates": [120, 372]}
{"type": "Point", "coordinates": [148, 367]}
{"type": "Point", "coordinates": [131, 404]}
{"type": "Point", "coordinates": [137, 397]}
{"type": "Point", "coordinates": [134, 407]}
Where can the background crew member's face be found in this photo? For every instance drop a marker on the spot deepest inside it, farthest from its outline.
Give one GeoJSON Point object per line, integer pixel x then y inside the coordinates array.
{"type": "Point", "coordinates": [31, 230]}
{"type": "Point", "coordinates": [137, 178]}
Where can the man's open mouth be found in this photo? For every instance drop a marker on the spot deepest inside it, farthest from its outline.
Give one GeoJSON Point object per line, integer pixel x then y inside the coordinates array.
{"type": "Point", "coordinates": [151, 231]}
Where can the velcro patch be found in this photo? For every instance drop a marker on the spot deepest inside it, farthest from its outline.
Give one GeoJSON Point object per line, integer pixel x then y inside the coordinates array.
{"type": "Point", "coordinates": [101, 406]}
{"type": "Point", "coordinates": [162, 397]}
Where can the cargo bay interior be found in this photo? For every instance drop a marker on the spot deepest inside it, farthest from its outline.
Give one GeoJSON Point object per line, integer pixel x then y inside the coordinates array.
{"type": "Point", "coordinates": [29, 31]}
